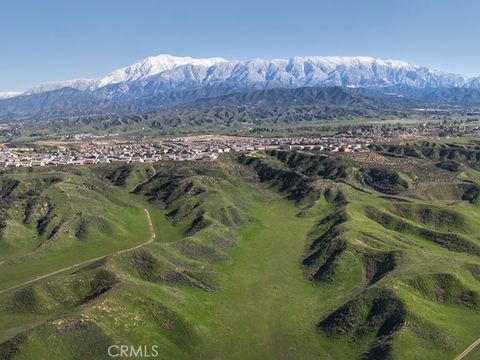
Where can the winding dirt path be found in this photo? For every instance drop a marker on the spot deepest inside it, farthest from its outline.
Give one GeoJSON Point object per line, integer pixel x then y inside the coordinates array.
{"type": "Point", "coordinates": [86, 262]}
{"type": "Point", "coordinates": [132, 190]}
{"type": "Point", "coordinates": [468, 349]}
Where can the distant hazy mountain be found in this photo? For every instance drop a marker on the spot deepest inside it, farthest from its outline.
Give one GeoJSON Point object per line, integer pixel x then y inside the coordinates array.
{"type": "Point", "coordinates": [296, 97]}
{"type": "Point", "coordinates": [161, 81]}
{"type": "Point", "coordinates": [78, 84]}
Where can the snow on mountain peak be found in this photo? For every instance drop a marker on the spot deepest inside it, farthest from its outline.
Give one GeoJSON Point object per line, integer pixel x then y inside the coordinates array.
{"type": "Point", "coordinates": [153, 65]}
{"type": "Point", "coordinates": [8, 94]}
{"type": "Point", "coordinates": [157, 74]}
{"type": "Point", "coordinates": [352, 61]}
{"type": "Point", "coordinates": [149, 66]}
{"type": "Point", "coordinates": [79, 84]}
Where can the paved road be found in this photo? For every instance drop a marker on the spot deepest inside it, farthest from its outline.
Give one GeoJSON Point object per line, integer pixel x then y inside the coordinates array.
{"type": "Point", "coordinates": [468, 349]}
{"type": "Point", "coordinates": [86, 262]}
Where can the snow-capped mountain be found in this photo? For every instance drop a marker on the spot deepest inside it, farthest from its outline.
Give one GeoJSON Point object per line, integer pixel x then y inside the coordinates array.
{"type": "Point", "coordinates": [306, 71]}
{"type": "Point", "coordinates": [230, 76]}
{"type": "Point", "coordinates": [144, 68]}
{"type": "Point", "coordinates": [151, 66]}
{"type": "Point", "coordinates": [473, 83]}
{"type": "Point", "coordinates": [9, 94]}
{"type": "Point", "coordinates": [79, 84]}
{"type": "Point", "coordinates": [166, 72]}
{"type": "Point", "coordinates": [166, 80]}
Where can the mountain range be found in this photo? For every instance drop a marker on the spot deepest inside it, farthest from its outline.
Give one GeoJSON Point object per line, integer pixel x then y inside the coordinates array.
{"type": "Point", "coordinates": [164, 81]}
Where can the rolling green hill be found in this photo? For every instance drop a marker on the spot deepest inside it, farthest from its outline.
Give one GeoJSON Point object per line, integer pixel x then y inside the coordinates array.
{"type": "Point", "coordinates": [271, 255]}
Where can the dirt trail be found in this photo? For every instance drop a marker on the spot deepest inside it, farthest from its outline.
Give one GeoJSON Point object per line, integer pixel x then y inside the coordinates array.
{"type": "Point", "coordinates": [468, 349]}
{"type": "Point", "coordinates": [86, 262]}
{"type": "Point", "coordinates": [132, 190]}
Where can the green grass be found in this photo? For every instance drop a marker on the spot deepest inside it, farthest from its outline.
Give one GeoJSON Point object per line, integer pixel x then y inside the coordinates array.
{"type": "Point", "coordinates": [116, 221]}
{"type": "Point", "coordinates": [114, 225]}
{"type": "Point", "coordinates": [266, 308]}
{"type": "Point", "coordinates": [224, 278]}
{"type": "Point", "coordinates": [474, 354]}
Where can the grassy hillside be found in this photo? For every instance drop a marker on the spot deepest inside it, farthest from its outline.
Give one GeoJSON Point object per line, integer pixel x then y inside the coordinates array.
{"type": "Point", "coordinates": [51, 218]}
{"type": "Point", "coordinates": [271, 255]}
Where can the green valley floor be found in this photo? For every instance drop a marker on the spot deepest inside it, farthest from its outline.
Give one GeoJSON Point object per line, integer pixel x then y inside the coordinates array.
{"type": "Point", "coordinates": [267, 309]}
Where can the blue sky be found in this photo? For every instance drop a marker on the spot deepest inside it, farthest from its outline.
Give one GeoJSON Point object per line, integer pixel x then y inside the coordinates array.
{"type": "Point", "coordinates": [56, 40]}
